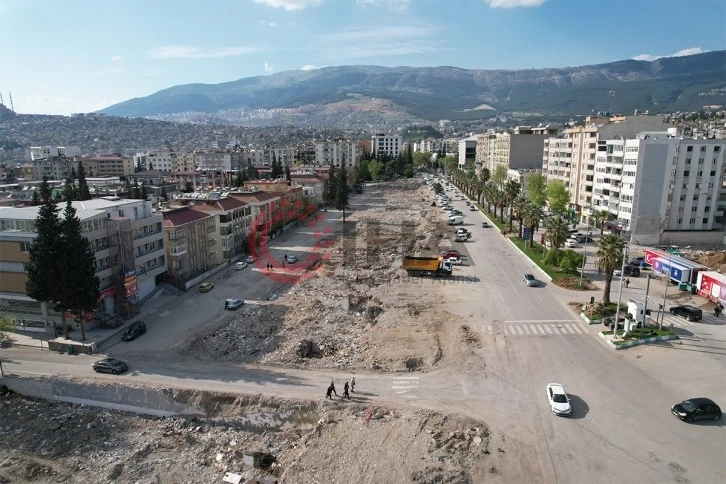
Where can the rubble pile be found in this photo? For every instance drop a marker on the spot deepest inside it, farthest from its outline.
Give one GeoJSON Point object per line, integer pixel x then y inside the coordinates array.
{"type": "Point", "coordinates": [46, 442]}
{"type": "Point", "coordinates": [342, 316]}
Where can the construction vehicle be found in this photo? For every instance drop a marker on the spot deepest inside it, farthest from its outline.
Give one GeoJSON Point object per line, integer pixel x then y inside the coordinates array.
{"type": "Point", "coordinates": [433, 266]}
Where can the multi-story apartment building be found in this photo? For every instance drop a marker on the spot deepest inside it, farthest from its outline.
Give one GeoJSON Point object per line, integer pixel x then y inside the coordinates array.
{"type": "Point", "coordinates": [105, 165]}
{"type": "Point", "coordinates": [661, 188]}
{"type": "Point", "coordinates": [262, 157]}
{"type": "Point", "coordinates": [214, 160]}
{"type": "Point", "coordinates": [163, 161]}
{"type": "Point", "coordinates": [186, 161]}
{"type": "Point", "coordinates": [38, 152]}
{"type": "Point", "coordinates": [386, 144]}
{"type": "Point", "coordinates": [521, 149]}
{"type": "Point", "coordinates": [467, 152]}
{"type": "Point", "coordinates": [485, 150]}
{"type": "Point", "coordinates": [337, 153]}
{"type": "Point", "coordinates": [570, 157]}
{"type": "Point", "coordinates": [313, 187]}
{"type": "Point", "coordinates": [56, 168]}
{"type": "Point", "coordinates": [189, 238]}
{"type": "Point", "coordinates": [126, 237]}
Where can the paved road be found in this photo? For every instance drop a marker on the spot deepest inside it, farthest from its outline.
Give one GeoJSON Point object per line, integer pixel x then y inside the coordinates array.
{"type": "Point", "coordinates": [621, 429]}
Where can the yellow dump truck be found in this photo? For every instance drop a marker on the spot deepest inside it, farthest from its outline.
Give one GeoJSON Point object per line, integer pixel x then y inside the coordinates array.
{"type": "Point", "coordinates": [427, 266]}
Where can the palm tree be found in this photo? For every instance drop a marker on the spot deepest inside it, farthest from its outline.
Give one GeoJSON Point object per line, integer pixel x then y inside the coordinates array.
{"type": "Point", "coordinates": [512, 189]}
{"type": "Point", "coordinates": [600, 217]}
{"type": "Point", "coordinates": [478, 190]}
{"type": "Point", "coordinates": [519, 205]}
{"type": "Point", "coordinates": [532, 216]}
{"type": "Point", "coordinates": [557, 231]}
{"type": "Point", "coordinates": [609, 257]}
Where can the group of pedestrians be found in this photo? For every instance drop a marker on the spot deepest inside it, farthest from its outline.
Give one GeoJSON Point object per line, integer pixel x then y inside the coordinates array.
{"type": "Point", "coordinates": [346, 388]}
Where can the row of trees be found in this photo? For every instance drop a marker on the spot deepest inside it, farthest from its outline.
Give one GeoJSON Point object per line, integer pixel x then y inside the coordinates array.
{"type": "Point", "coordinates": [62, 266]}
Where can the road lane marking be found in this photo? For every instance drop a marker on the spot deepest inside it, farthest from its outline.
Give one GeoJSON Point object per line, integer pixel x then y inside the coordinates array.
{"type": "Point", "coordinates": [557, 331]}
{"type": "Point", "coordinates": [165, 313]}
{"type": "Point", "coordinates": [526, 330]}
{"type": "Point", "coordinates": [547, 328]}
{"type": "Point", "coordinates": [519, 329]}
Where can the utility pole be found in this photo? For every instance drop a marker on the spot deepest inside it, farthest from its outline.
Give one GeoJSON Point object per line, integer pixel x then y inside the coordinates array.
{"type": "Point", "coordinates": [665, 293]}
{"type": "Point", "coordinates": [584, 261]}
{"type": "Point", "coordinates": [645, 304]}
{"type": "Point", "coordinates": [620, 294]}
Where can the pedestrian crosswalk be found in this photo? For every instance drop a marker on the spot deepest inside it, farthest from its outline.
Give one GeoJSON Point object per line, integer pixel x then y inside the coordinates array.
{"type": "Point", "coordinates": [535, 329]}
{"type": "Point", "coordinates": [406, 386]}
{"type": "Point", "coordinates": [679, 322]}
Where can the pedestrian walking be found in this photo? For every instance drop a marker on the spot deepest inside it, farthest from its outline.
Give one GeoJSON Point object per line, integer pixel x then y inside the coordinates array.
{"type": "Point", "coordinates": [267, 266]}
{"type": "Point", "coordinates": [285, 257]}
{"type": "Point", "coordinates": [627, 282]}
{"type": "Point", "coordinates": [352, 384]}
{"type": "Point", "coordinates": [671, 327]}
{"type": "Point", "coordinates": [345, 391]}
{"type": "Point", "coordinates": [331, 390]}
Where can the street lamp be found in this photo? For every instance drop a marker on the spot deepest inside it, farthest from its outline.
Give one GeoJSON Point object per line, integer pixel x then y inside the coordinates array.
{"type": "Point", "coordinates": [620, 293]}
{"type": "Point", "coordinates": [584, 261]}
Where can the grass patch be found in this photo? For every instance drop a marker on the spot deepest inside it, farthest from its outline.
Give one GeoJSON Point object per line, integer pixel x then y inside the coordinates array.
{"type": "Point", "coordinates": [561, 278]}
{"type": "Point", "coordinates": [600, 310]}
{"type": "Point", "coordinates": [636, 334]}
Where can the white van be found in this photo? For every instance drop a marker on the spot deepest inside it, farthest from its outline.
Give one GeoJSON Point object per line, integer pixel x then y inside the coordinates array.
{"type": "Point", "coordinates": [456, 220]}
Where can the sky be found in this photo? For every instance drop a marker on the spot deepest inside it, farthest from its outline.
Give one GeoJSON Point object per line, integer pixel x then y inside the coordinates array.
{"type": "Point", "coordinates": [73, 56]}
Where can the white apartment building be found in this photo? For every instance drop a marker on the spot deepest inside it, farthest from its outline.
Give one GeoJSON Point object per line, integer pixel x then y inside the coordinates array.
{"type": "Point", "coordinates": [38, 152]}
{"type": "Point", "coordinates": [162, 161]}
{"type": "Point", "coordinates": [485, 150]}
{"type": "Point", "coordinates": [213, 161]}
{"type": "Point", "coordinates": [467, 152]}
{"type": "Point", "coordinates": [570, 157]}
{"type": "Point", "coordinates": [54, 168]}
{"type": "Point", "coordinates": [663, 189]}
{"type": "Point", "coordinates": [337, 152]}
{"type": "Point", "coordinates": [386, 144]}
{"type": "Point", "coordinates": [126, 237]}
{"type": "Point", "coordinates": [262, 157]}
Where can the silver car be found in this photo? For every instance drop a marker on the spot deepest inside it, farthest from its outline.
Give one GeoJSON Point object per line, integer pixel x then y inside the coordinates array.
{"type": "Point", "coordinates": [530, 280]}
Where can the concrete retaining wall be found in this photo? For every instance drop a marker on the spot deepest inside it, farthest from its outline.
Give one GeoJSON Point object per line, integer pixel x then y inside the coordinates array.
{"type": "Point", "coordinates": [138, 400]}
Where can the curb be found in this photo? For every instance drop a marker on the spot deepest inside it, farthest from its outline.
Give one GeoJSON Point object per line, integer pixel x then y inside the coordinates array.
{"type": "Point", "coordinates": [590, 321]}
{"type": "Point", "coordinates": [637, 342]}
{"type": "Point", "coordinates": [547, 276]}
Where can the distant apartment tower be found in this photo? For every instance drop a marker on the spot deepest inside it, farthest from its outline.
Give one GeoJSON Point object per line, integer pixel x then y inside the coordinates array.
{"type": "Point", "coordinates": [54, 168]}
{"type": "Point", "coordinates": [162, 161]}
{"type": "Point", "coordinates": [521, 149]}
{"type": "Point", "coordinates": [262, 157]}
{"type": "Point", "coordinates": [570, 157]}
{"type": "Point", "coordinates": [485, 150]}
{"type": "Point", "coordinates": [338, 153]}
{"type": "Point", "coordinates": [386, 144]}
{"type": "Point", "coordinates": [38, 152]}
{"type": "Point", "coordinates": [107, 165]}
{"type": "Point", "coordinates": [467, 153]}
{"type": "Point", "coordinates": [663, 189]}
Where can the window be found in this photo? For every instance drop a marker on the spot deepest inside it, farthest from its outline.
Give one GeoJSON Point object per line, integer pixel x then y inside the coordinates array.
{"type": "Point", "coordinates": [716, 149]}
{"type": "Point", "coordinates": [695, 197]}
{"type": "Point", "coordinates": [683, 198]}
{"type": "Point", "coordinates": [705, 220]}
{"type": "Point", "coordinates": [688, 161]}
{"type": "Point", "coordinates": [692, 221]}
{"type": "Point", "coordinates": [707, 208]}
{"type": "Point", "coordinates": [686, 173]}
{"type": "Point", "coordinates": [713, 173]}
{"type": "Point", "coordinates": [694, 209]}
{"type": "Point", "coordinates": [699, 173]}
{"type": "Point", "coordinates": [24, 246]}
{"type": "Point", "coordinates": [689, 148]}
{"type": "Point", "coordinates": [680, 221]}
{"type": "Point", "coordinates": [700, 161]}
{"type": "Point", "coordinates": [703, 148]}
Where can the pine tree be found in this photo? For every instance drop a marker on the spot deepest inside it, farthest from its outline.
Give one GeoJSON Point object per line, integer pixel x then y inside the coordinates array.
{"type": "Point", "coordinates": [332, 186]}
{"type": "Point", "coordinates": [288, 176]}
{"type": "Point", "coordinates": [139, 166]}
{"type": "Point", "coordinates": [128, 187]}
{"type": "Point", "coordinates": [151, 166]}
{"type": "Point", "coordinates": [83, 192]}
{"type": "Point", "coordinates": [341, 191]}
{"type": "Point", "coordinates": [43, 267]}
{"type": "Point", "coordinates": [137, 191]}
{"type": "Point", "coordinates": [78, 281]}
{"type": "Point", "coordinates": [143, 195]}
{"type": "Point", "coordinates": [276, 171]}
{"type": "Point", "coordinates": [36, 199]}
{"type": "Point", "coordinates": [70, 192]}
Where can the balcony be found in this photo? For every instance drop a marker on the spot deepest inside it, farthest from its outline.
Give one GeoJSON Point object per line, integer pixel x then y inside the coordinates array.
{"type": "Point", "coordinates": [147, 233]}
{"type": "Point", "coordinates": [178, 250]}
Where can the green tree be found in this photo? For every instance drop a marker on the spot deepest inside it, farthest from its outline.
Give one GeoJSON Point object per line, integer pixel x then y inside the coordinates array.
{"type": "Point", "coordinates": [571, 261]}
{"type": "Point", "coordinates": [341, 190]}
{"type": "Point", "coordinates": [36, 199]}
{"type": "Point", "coordinates": [143, 194]}
{"type": "Point", "coordinates": [421, 160]}
{"type": "Point", "coordinates": [532, 216]}
{"type": "Point", "coordinates": [188, 188]}
{"type": "Point", "coordinates": [499, 177]}
{"type": "Point", "coordinates": [485, 175]}
{"type": "Point", "coordinates": [601, 216]}
{"type": "Point", "coordinates": [139, 167]}
{"type": "Point", "coordinates": [374, 169]}
{"type": "Point", "coordinates": [252, 173]}
{"type": "Point", "coordinates": [78, 281]}
{"type": "Point", "coordinates": [83, 192]}
{"type": "Point", "coordinates": [609, 256]}
{"type": "Point", "coordinates": [536, 189]}
{"type": "Point", "coordinates": [288, 175]}
{"type": "Point", "coordinates": [558, 196]}
{"type": "Point", "coordinates": [518, 207]}
{"type": "Point", "coordinates": [6, 326]}
{"type": "Point", "coordinates": [557, 231]}
{"type": "Point", "coordinates": [137, 191]}
{"type": "Point", "coordinates": [151, 166]}
{"type": "Point", "coordinates": [438, 189]}
{"type": "Point", "coordinates": [332, 184]}
{"type": "Point", "coordinates": [512, 189]}
{"type": "Point", "coordinates": [44, 254]}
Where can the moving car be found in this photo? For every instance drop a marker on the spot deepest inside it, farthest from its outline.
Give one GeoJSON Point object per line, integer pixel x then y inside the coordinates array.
{"type": "Point", "coordinates": [570, 243]}
{"type": "Point", "coordinates": [691, 313]}
{"type": "Point", "coordinates": [250, 259]}
{"type": "Point", "coordinates": [473, 208]}
{"type": "Point", "coordinates": [110, 365]}
{"type": "Point", "coordinates": [485, 225]}
{"type": "Point", "coordinates": [585, 239]}
{"type": "Point", "coordinates": [291, 259]}
{"type": "Point", "coordinates": [206, 287]}
{"type": "Point", "coordinates": [576, 235]}
{"type": "Point", "coordinates": [137, 328]}
{"type": "Point", "coordinates": [630, 271]}
{"type": "Point", "coordinates": [559, 401]}
{"type": "Point", "coordinates": [233, 303]}
{"type": "Point", "coordinates": [240, 265]}
{"type": "Point", "coordinates": [530, 280]}
{"type": "Point", "coordinates": [696, 409]}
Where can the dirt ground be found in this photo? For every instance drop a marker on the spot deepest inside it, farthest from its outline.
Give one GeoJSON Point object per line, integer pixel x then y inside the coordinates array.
{"type": "Point", "coordinates": [359, 311]}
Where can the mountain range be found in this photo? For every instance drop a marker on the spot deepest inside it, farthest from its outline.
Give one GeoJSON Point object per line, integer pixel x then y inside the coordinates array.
{"type": "Point", "coordinates": [346, 95]}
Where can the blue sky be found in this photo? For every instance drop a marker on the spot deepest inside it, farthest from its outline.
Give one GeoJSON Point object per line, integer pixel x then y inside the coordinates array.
{"type": "Point", "coordinates": [65, 56]}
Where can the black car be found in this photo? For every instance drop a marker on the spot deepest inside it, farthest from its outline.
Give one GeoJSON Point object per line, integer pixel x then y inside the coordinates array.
{"type": "Point", "coordinates": [696, 409]}
{"type": "Point", "coordinates": [137, 328]}
{"type": "Point", "coordinates": [691, 313]}
{"type": "Point", "coordinates": [632, 271]}
{"type": "Point", "coordinates": [584, 239]}
{"type": "Point", "coordinates": [110, 365]}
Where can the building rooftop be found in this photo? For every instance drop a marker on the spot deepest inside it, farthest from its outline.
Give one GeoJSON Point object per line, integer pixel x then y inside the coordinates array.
{"type": "Point", "coordinates": [183, 215]}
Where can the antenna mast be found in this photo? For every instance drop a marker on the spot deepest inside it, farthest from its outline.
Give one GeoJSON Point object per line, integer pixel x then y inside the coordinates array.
{"type": "Point", "coordinates": [1, 99]}
{"type": "Point", "coordinates": [12, 108]}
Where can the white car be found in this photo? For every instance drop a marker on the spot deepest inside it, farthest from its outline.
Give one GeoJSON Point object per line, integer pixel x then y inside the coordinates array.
{"type": "Point", "coordinates": [559, 401]}
{"type": "Point", "coordinates": [571, 243]}
{"type": "Point", "coordinates": [456, 262]}
{"type": "Point", "coordinates": [530, 280]}
{"type": "Point", "coordinates": [250, 259]}
{"type": "Point", "coordinates": [240, 265]}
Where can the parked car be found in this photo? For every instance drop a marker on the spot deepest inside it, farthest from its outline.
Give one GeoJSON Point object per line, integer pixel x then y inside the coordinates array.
{"type": "Point", "coordinates": [530, 280]}
{"type": "Point", "coordinates": [609, 321]}
{"type": "Point", "coordinates": [137, 328]}
{"type": "Point", "coordinates": [485, 225]}
{"type": "Point", "coordinates": [206, 287]}
{"type": "Point", "coordinates": [696, 409]}
{"type": "Point", "coordinates": [450, 253]}
{"type": "Point", "coordinates": [461, 230]}
{"type": "Point", "coordinates": [110, 365]}
{"type": "Point", "coordinates": [585, 239]}
{"type": "Point", "coordinates": [240, 265]}
{"type": "Point", "coordinates": [291, 259]}
{"type": "Point", "coordinates": [691, 313]}
{"type": "Point", "coordinates": [570, 243]}
{"type": "Point", "coordinates": [576, 235]}
{"type": "Point", "coordinates": [635, 261]}
{"type": "Point", "coordinates": [233, 303]}
{"type": "Point", "coordinates": [630, 271]}
{"type": "Point", "coordinates": [467, 202]}
{"type": "Point", "coordinates": [451, 213]}
{"type": "Point", "coordinates": [454, 261]}
{"type": "Point", "coordinates": [250, 259]}
{"type": "Point", "coordinates": [472, 208]}
{"type": "Point", "coordinates": [559, 401]}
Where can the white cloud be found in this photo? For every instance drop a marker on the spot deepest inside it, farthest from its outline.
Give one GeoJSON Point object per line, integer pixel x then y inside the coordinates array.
{"type": "Point", "coordinates": [396, 5]}
{"type": "Point", "coordinates": [111, 71]}
{"type": "Point", "coordinates": [268, 67]}
{"type": "Point", "coordinates": [266, 24]}
{"type": "Point", "coordinates": [514, 3]}
{"type": "Point", "coordinates": [310, 67]}
{"type": "Point", "coordinates": [680, 53]}
{"type": "Point", "coordinates": [382, 41]}
{"type": "Point", "coordinates": [290, 5]}
{"type": "Point", "coordinates": [188, 52]}
{"type": "Point", "coordinates": [117, 58]}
